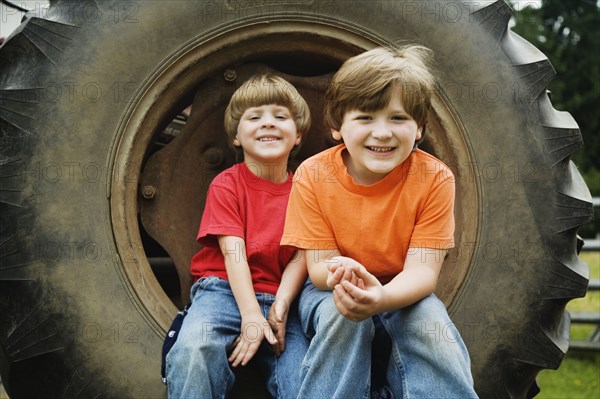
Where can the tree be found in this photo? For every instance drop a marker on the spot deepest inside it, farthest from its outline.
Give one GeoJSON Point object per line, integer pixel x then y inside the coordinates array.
{"type": "Point", "coordinates": [568, 33]}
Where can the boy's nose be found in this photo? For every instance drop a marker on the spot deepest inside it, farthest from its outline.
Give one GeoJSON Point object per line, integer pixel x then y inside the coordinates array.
{"type": "Point", "coordinates": [268, 121]}
{"type": "Point", "coordinates": [381, 131]}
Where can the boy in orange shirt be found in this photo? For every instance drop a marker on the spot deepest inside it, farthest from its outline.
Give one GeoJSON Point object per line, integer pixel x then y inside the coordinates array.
{"type": "Point", "coordinates": [374, 218]}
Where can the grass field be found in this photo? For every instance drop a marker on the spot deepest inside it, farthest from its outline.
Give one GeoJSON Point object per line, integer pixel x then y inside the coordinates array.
{"type": "Point", "coordinates": [578, 377]}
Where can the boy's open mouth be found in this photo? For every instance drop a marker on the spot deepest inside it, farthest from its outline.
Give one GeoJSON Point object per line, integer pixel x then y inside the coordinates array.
{"type": "Point", "coordinates": [268, 139]}
{"type": "Point", "coordinates": [381, 149]}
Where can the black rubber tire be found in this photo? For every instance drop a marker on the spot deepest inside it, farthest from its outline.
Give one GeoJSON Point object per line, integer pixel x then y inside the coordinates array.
{"type": "Point", "coordinates": [72, 323]}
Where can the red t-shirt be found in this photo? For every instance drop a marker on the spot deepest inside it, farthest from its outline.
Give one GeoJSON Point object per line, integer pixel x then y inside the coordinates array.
{"type": "Point", "coordinates": [239, 203]}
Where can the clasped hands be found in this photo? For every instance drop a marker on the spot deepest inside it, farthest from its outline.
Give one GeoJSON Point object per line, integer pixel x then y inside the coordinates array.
{"type": "Point", "coordinates": [357, 294]}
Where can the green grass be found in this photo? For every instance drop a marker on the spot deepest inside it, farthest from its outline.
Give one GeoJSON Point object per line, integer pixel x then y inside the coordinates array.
{"type": "Point", "coordinates": [578, 377]}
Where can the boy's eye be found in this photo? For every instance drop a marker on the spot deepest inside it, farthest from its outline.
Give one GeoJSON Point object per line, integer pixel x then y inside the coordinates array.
{"type": "Point", "coordinates": [363, 117]}
{"type": "Point", "coordinates": [399, 117]}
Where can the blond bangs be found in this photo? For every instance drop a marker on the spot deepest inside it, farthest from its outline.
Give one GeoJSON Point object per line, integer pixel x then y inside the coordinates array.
{"type": "Point", "coordinates": [365, 82]}
{"type": "Point", "coordinates": [264, 90]}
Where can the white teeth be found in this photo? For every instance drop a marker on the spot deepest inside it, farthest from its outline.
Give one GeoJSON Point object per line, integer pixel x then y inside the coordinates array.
{"type": "Point", "coordinates": [381, 149]}
{"type": "Point", "coordinates": [268, 139]}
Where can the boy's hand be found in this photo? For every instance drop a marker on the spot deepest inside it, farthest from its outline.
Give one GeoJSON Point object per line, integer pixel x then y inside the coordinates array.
{"type": "Point", "coordinates": [277, 318]}
{"type": "Point", "coordinates": [358, 302]}
{"type": "Point", "coordinates": [255, 328]}
{"type": "Point", "coordinates": [342, 268]}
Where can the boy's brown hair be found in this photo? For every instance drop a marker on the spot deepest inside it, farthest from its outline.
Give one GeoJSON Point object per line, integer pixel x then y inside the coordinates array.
{"type": "Point", "coordinates": [364, 82]}
{"type": "Point", "coordinates": [265, 89]}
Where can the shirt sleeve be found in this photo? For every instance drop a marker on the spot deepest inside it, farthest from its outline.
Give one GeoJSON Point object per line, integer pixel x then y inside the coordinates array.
{"type": "Point", "coordinates": [221, 216]}
{"type": "Point", "coordinates": [434, 227]}
{"type": "Point", "coordinates": [305, 224]}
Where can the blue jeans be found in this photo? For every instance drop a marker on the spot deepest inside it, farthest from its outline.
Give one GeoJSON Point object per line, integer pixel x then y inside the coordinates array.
{"type": "Point", "coordinates": [197, 365]}
{"type": "Point", "coordinates": [428, 357]}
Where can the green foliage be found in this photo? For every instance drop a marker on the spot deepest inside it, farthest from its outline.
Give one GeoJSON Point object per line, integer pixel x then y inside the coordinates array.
{"type": "Point", "coordinates": [592, 179]}
{"type": "Point", "coordinates": [568, 33]}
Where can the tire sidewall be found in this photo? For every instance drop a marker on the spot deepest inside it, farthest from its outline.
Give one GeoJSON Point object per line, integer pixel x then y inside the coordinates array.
{"type": "Point", "coordinates": [108, 338]}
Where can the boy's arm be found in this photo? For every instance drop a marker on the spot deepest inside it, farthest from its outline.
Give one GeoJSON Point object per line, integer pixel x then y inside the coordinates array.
{"type": "Point", "coordinates": [417, 280]}
{"type": "Point", "coordinates": [292, 280]}
{"type": "Point", "coordinates": [240, 280]}
{"type": "Point", "coordinates": [318, 263]}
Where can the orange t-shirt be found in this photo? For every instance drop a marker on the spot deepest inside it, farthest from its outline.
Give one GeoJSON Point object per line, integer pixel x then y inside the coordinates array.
{"type": "Point", "coordinates": [412, 206]}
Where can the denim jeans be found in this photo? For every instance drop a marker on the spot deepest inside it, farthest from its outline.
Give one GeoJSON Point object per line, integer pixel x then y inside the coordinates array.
{"type": "Point", "coordinates": [428, 357]}
{"type": "Point", "coordinates": [197, 365]}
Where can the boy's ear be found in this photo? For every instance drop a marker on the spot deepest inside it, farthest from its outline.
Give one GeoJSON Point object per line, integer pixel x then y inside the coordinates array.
{"type": "Point", "coordinates": [336, 135]}
{"type": "Point", "coordinates": [419, 133]}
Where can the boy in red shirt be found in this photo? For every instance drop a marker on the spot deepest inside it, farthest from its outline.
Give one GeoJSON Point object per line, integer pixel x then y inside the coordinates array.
{"type": "Point", "coordinates": [374, 218]}
{"type": "Point", "coordinates": [242, 275]}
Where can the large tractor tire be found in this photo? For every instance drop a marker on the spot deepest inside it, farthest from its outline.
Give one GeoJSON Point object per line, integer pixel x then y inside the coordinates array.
{"type": "Point", "coordinates": [99, 204]}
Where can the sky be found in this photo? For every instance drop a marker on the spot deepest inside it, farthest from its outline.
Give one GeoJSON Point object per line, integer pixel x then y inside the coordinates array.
{"type": "Point", "coordinates": [11, 18]}
{"type": "Point", "coordinates": [520, 4]}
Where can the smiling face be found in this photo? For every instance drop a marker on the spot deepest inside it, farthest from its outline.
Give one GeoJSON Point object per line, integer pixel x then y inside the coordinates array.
{"type": "Point", "coordinates": [267, 134]}
{"type": "Point", "coordinates": [377, 141]}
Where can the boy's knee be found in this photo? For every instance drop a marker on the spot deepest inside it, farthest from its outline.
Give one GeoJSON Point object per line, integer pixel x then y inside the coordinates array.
{"type": "Point", "coordinates": [328, 314]}
{"type": "Point", "coordinates": [200, 357]}
{"type": "Point", "coordinates": [337, 327]}
{"type": "Point", "coordinates": [194, 343]}
{"type": "Point", "coordinates": [429, 309]}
